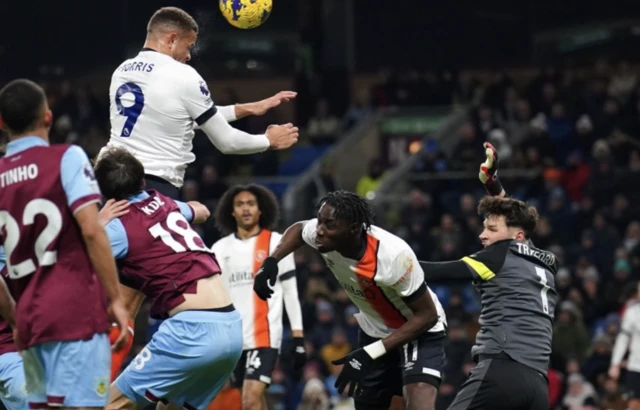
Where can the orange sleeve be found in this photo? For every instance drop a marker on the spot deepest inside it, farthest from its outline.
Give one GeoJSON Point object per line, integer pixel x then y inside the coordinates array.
{"type": "Point", "coordinates": [117, 358]}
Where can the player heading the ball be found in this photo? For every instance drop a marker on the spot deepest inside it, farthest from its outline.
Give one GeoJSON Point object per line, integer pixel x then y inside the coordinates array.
{"type": "Point", "coordinates": [157, 101]}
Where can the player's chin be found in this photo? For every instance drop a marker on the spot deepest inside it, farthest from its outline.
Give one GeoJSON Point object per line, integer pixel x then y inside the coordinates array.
{"type": "Point", "coordinates": [323, 248]}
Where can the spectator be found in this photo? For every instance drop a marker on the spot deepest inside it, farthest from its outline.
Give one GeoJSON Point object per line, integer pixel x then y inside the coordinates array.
{"type": "Point", "coordinates": [369, 183]}
{"type": "Point", "coordinates": [579, 393]}
{"type": "Point", "coordinates": [570, 337]}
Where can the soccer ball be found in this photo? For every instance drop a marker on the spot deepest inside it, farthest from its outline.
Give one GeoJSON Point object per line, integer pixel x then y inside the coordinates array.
{"type": "Point", "coordinates": [246, 14]}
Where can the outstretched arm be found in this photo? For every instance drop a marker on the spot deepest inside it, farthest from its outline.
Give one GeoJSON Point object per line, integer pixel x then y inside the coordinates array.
{"type": "Point", "coordinates": [238, 111]}
{"type": "Point", "coordinates": [291, 240]}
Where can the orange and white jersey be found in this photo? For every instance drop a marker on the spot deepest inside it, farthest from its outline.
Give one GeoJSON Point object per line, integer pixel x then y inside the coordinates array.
{"type": "Point", "coordinates": [240, 260]}
{"type": "Point", "coordinates": [376, 284]}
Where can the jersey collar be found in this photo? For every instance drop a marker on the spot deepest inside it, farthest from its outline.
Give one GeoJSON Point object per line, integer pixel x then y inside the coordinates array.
{"type": "Point", "coordinates": [25, 143]}
{"type": "Point", "coordinates": [139, 197]}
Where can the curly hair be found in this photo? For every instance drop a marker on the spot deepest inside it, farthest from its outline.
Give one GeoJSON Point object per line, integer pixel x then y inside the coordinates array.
{"type": "Point", "coordinates": [267, 204]}
{"type": "Point", "coordinates": [516, 213]}
{"type": "Point", "coordinates": [350, 207]}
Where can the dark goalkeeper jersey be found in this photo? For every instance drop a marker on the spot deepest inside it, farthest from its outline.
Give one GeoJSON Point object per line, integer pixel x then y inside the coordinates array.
{"type": "Point", "coordinates": [517, 288]}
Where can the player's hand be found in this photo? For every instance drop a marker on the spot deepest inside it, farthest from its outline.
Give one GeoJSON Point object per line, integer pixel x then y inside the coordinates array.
{"type": "Point", "coordinates": [355, 366]}
{"type": "Point", "coordinates": [614, 372]}
{"type": "Point", "coordinates": [118, 314]}
{"type": "Point", "coordinates": [489, 167]}
{"type": "Point", "coordinates": [488, 173]}
{"type": "Point", "coordinates": [282, 136]}
{"type": "Point", "coordinates": [112, 210]}
{"type": "Point", "coordinates": [266, 278]}
{"type": "Point", "coordinates": [299, 353]}
{"type": "Point", "coordinates": [261, 107]}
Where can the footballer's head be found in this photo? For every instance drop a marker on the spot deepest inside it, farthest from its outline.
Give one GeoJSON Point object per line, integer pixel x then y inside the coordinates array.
{"type": "Point", "coordinates": [506, 218]}
{"type": "Point", "coordinates": [172, 31]}
{"type": "Point", "coordinates": [24, 109]}
{"type": "Point", "coordinates": [120, 175]}
{"type": "Point", "coordinates": [246, 206]}
{"type": "Point", "coordinates": [343, 217]}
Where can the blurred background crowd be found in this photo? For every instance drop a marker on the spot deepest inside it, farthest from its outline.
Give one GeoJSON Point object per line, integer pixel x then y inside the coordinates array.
{"type": "Point", "coordinates": [561, 107]}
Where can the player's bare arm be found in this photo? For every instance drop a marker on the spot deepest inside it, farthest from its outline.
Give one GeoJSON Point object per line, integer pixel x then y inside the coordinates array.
{"type": "Point", "coordinates": [262, 106]}
{"type": "Point", "coordinates": [268, 274]}
{"type": "Point", "coordinates": [132, 300]}
{"type": "Point", "coordinates": [99, 251]}
{"type": "Point", "coordinates": [425, 316]}
{"type": "Point", "coordinates": [200, 212]}
{"type": "Point", "coordinates": [7, 304]}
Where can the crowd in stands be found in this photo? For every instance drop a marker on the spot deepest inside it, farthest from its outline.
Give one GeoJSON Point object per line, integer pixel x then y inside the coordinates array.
{"type": "Point", "coordinates": [577, 132]}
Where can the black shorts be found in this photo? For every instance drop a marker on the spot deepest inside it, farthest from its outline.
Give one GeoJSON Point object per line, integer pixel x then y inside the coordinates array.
{"type": "Point", "coordinates": [163, 186]}
{"type": "Point", "coordinates": [501, 383]}
{"type": "Point", "coordinates": [421, 361]}
{"type": "Point", "coordinates": [633, 385]}
{"type": "Point", "coordinates": [255, 364]}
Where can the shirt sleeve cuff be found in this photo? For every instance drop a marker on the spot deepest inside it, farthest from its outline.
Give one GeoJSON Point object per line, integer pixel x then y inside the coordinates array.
{"type": "Point", "coordinates": [80, 203]}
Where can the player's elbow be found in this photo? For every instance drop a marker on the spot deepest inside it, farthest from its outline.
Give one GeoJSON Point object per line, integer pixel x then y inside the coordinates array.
{"type": "Point", "coordinates": [200, 212]}
{"type": "Point", "coordinates": [91, 231]}
{"type": "Point", "coordinates": [429, 319]}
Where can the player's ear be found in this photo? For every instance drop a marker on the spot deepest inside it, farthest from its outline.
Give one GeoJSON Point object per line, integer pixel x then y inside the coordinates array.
{"type": "Point", "coordinates": [47, 119]}
{"type": "Point", "coordinates": [520, 236]}
{"type": "Point", "coordinates": [172, 38]}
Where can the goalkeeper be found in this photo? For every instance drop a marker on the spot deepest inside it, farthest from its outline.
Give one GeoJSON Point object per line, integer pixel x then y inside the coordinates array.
{"type": "Point", "coordinates": [518, 295]}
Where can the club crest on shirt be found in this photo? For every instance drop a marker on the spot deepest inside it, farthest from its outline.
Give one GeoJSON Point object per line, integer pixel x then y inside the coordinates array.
{"type": "Point", "coordinates": [366, 282]}
{"type": "Point", "coordinates": [102, 386]}
{"type": "Point", "coordinates": [260, 256]}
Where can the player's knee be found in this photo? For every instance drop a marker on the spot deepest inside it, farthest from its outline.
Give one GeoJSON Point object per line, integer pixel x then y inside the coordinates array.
{"type": "Point", "coordinates": [421, 396]}
{"type": "Point", "coordinates": [118, 401]}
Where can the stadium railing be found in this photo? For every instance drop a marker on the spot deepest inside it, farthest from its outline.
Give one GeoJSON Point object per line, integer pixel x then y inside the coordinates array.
{"type": "Point", "coordinates": [391, 198]}
{"type": "Point", "coordinates": [371, 138]}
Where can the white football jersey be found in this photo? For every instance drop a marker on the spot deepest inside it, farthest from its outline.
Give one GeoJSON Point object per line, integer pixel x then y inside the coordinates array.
{"type": "Point", "coordinates": [155, 103]}
{"type": "Point", "coordinates": [376, 284]}
{"type": "Point", "coordinates": [631, 327]}
{"type": "Point", "coordinates": [261, 320]}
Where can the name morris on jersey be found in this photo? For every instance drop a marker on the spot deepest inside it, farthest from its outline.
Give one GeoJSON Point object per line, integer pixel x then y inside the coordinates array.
{"type": "Point", "coordinates": [137, 66]}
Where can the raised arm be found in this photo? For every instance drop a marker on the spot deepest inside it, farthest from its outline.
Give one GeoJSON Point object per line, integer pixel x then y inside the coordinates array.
{"type": "Point", "coordinates": [235, 112]}
{"type": "Point", "coordinates": [198, 103]}
{"type": "Point", "coordinates": [488, 173]}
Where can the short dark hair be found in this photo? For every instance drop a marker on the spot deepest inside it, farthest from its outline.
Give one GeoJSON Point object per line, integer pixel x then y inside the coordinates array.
{"type": "Point", "coordinates": [350, 207]}
{"type": "Point", "coordinates": [516, 213]}
{"type": "Point", "coordinates": [21, 105]}
{"type": "Point", "coordinates": [173, 17]}
{"type": "Point", "coordinates": [267, 203]}
{"type": "Point", "coordinates": [120, 175]}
